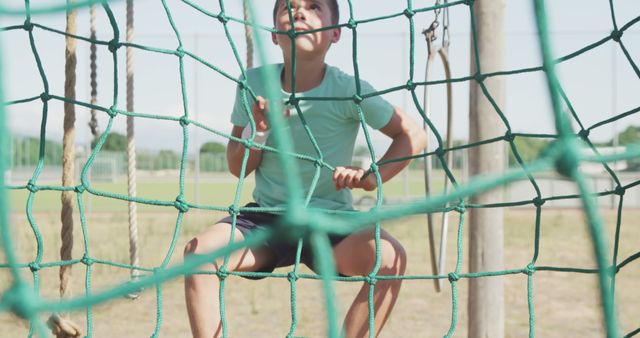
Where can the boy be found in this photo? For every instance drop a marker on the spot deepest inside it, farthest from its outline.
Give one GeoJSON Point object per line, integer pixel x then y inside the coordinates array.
{"type": "Point", "coordinates": [334, 125]}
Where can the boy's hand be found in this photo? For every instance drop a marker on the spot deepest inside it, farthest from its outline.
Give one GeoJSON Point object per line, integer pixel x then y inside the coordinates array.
{"type": "Point", "coordinates": [259, 110]}
{"type": "Point", "coordinates": [351, 177]}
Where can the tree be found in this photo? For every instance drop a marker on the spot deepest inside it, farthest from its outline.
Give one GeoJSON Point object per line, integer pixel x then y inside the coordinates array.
{"type": "Point", "coordinates": [630, 135]}
{"type": "Point", "coordinates": [166, 159]}
{"type": "Point", "coordinates": [212, 148]}
{"type": "Point", "coordinates": [528, 148]}
{"type": "Point", "coordinates": [114, 142]}
{"type": "Point", "coordinates": [26, 151]}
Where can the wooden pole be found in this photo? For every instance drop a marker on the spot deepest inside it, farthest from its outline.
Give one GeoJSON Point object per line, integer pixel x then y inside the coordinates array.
{"type": "Point", "coordinates": [486, 294]}
{"type": "Point", "coordinates": [68, 155]}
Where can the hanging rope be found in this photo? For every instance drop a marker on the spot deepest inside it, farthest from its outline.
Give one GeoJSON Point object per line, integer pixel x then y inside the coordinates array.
{"type": "Point", "coordinates": [437, 266]}
{"type": "Point", "coordinates": [93, 123]}
{"type": "Point", "coordinates": [248, 34]}
{"type": "Point", "coordinates": [131, 156]}
{"type": "Point", "coordinates": [62, 326]}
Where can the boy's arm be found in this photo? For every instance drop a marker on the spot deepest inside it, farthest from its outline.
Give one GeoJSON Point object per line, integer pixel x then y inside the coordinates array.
{"type": "Point", "coordinates": [235, 150]}
{"type": "Point", "coordinates": [408, 139]}
{"type": "Point", "coordinates": [235, 155]}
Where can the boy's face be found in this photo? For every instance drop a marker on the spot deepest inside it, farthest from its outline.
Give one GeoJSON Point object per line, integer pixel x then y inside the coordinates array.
{"type": "Point", "coordinates": [307, 15]}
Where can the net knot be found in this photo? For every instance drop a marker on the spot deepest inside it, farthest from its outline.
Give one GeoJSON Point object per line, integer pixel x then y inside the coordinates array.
{"type": "Point", "coordinates": [223, 18]}
{"type": "Point", "coordinates": [292, 276]}
{"type": "Point", "coordinates": [410, 85]}
{"type": "Point", "coordinates": [112, 112]}
{"type": "Point", "coordinates": [242, 84]}
{"type": "Point", "coordinates": [28, 26]}
{"type": "Point", "coordinates": [21, 300]}
{"type": "Point", "coordinates": [371, 279]}
{"type": "Point", "coordinates": [63, 327]}
{"type": "Point", "coordinates": [45, 97]}
{"type": "Point", "coordinates": [352, 24]}
{"type": "Point", "coordinates": [246, 142]}
{"type": "Point", "coordinates": [184, 121]}
{"type": "Point", "coordinates": [113, 45]}
{"type": "Point", "coordinates": [584, 134]}
{"type": "Point", "coordinates": [233, 210]}
{"type": "Point", "coordinates": [479, 77]}
{"type": "Point", "coordinates": [357, 98]}
{"type": "Point", "coordinates": [469, 2]}
{"type": "Point", "coordinates": [222, 274]}
{"type": "Point", "coordinates": [318, 162]}
{"type": "Point", "coordinates": [409, 13]}
{"type": "Point", "coordinates": [568, 159]}
{"type": "Point", "coordinates": [509, 137]}
{"type": "Point", "coordinates": [619, 191]}
{"type": "Point", "coordinates": [529, 270]}
{"type": "Point", "coordinates": [453, 277]}
{"type": "Point", "coordinates": [292, 101]}
{"type": "Point", "coordinates": [616, 35]}
{"type": "Point", "coordinates": [181, 204]}
{"type": "Point", "coordinates": [460, 208]}
{"type": "Point", "coordinates": [294, 224]}
{"type": "Point", "coordinates": [373, 168]}
{"type": "Point", "coordinates": [34, 266]}
{"type": "Point", "coordinates": [179, 52]}
{"type": "Point", "coordinates": [32, 187]}
{"type": "Point", "coordinates": [292, 34]}
{"type": "Point", "coordinates": [86, 260]}
{"type": "Point", "coordinates": [79, 188]}
{"type": "Point", "coordinates": [538, 202]}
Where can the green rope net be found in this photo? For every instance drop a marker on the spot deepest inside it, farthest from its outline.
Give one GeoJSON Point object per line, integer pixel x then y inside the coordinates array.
{"type": "Point", "coordinates": [297, 221]}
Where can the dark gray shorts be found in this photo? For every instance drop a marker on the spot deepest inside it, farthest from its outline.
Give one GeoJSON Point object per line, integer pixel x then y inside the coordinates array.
{"type": "Point", "coordinates": [284, 252]}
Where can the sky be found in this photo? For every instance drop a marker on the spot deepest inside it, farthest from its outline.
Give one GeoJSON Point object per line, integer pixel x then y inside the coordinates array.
{"type": "Point", "coordinates": [600, 83]}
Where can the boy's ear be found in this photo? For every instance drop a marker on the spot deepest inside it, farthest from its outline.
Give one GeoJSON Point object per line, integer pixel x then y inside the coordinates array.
{"type": "Point", "coordinates": [273, 38]}
{"type": "Point", "coordinates": [336, 35]}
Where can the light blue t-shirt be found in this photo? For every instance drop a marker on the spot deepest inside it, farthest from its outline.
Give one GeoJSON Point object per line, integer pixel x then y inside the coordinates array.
{"type": "Point", "coordinates": [334, 125]}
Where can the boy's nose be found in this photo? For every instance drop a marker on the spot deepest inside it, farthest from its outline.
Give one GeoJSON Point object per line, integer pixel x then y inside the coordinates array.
{"type": "Point", "coordinates": [299, 14]}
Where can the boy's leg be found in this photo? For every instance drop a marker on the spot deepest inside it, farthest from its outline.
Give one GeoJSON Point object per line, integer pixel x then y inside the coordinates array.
{"type": "Point", "coordinates": [202, 291]}
{"type": "Point", "coordinates": [356, 255]}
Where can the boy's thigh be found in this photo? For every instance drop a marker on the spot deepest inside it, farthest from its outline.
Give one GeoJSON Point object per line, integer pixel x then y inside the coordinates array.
{"type": "Point", "coordinates": [356, 254]}
{"type": "Point", "coordinates": [218, 236]}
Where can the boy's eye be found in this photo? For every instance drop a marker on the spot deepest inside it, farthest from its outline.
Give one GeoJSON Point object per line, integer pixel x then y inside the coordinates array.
{"type": "Point", "coordinates": [315, 6]}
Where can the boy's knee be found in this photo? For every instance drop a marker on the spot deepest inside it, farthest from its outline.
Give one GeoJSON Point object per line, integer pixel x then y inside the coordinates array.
{"type": "Point", "coordinates": [393, 258]}
{"type": "Point", "coordinates": [191, 247]}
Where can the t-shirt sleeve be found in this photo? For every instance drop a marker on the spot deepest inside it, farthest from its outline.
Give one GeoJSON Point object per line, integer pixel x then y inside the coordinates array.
{"type": "Point", "coordinates": [239, 114]}
{"type": "Point", "coordinates": [376, 110]}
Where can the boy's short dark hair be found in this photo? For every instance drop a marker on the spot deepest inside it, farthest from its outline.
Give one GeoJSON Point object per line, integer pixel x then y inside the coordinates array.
{"type": "Point", "coordinates": [333, 5]}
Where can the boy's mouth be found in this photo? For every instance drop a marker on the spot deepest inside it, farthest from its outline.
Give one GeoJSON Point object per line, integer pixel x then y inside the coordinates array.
{"type": "Point", "coordinates": [300, 29]}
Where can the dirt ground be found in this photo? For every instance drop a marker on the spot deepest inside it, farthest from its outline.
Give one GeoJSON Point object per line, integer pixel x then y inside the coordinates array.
{"type": "Point", "coordinates": [565, 304]}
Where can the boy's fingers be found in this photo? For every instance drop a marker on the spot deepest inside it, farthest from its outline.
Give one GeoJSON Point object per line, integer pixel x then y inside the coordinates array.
{"type": "Point", "coordinates": [258, 113]}
{"type": "Point", "coordinates": [351, 180]}
{"type": "Point", "coordinates": [338, 177]}
{"type": "Point", "coordinates": [261, 102]}
{"type": "Point", "coordinates": [356, 179]}
{"type": "Point", "coordinates": [347, 177]}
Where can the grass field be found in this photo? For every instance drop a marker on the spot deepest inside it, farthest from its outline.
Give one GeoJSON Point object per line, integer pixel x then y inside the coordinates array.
{"type": "Point", "coordinates": [566, 304]}
{"type": "Point", "coordinates": [215, 189]}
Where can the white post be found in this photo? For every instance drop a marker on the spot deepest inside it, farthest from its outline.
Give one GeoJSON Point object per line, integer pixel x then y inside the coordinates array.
{"type": "Point", "coordinates": [196, 139]}
{"type": "Point", "coordinates": [614, 109]}
{"type": "Point", "coordinates": [405, 174]}
{"type": "Point", "coordinates": [486, 294]}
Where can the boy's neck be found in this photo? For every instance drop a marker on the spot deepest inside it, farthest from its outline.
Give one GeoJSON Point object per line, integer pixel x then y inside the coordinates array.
{"type": "Point", "coordinates": [309, 74]}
